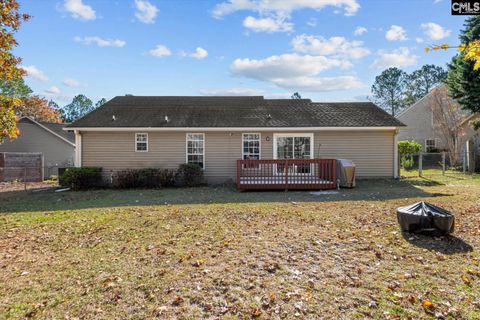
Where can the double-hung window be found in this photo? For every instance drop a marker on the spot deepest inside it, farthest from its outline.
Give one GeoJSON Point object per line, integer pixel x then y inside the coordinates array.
{"type": "Point", "coordinates": [141, 142]}
{"type": "Point", "coordinates": [251, 146]}
{"type": "Point", "coordinates": [196, 149]}
{"type": "Point", "coordinates": [430, 145]}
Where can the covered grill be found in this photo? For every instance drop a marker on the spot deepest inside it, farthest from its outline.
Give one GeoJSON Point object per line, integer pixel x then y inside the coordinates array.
{"type": "Point", "coordinates": [425, 217]}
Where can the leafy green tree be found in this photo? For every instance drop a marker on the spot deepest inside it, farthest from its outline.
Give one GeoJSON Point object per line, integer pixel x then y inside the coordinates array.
{"type": "Point", "coordinates": [463, 80]}
{"type": "Point", "coordinates": [296, 95]}
{"type": "Point", "coordinates": [15, 88]}
{"type": "Point", "coordinates": [421, 81]}
{"type": "Point", "coordinates": [389, 90]}
{"type": "Point", "coordinates": [80, 106]}
{"type": "Point", "coordinates": [100, 103]}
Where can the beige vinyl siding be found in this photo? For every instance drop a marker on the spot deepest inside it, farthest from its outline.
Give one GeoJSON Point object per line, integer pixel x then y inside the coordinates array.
{"type": "Point", "coordinates": [372, 151]}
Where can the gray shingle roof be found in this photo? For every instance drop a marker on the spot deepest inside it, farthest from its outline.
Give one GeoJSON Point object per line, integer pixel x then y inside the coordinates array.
{"type": "Point", "coordinates": [237, 112]}
{"type": "Point", "coordinates": [57, 128]}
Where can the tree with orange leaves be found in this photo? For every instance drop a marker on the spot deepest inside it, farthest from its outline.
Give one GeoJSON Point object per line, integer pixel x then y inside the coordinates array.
{"type": "Point", "coordinates": [39, 109]}
{"type": "Point", "coordinates": [10, 21]}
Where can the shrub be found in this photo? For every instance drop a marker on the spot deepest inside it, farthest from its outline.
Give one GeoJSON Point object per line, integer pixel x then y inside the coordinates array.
{"type": "Point", "coordinates": [406, 162]}
{"type": "Point", "coordinates": [144, 178]}
{"type": "Point", "coordinates": [190, 175]}
{"type": "Point", "coordinates": [126, 179]}
{"type": "Point", "coordinates": [81, 178]}
{"type": "Point", "coordinates": [408, 147]}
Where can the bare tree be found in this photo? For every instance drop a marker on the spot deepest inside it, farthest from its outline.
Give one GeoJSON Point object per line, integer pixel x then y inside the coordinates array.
{"type": "Point", "coordinates": [447, 119]}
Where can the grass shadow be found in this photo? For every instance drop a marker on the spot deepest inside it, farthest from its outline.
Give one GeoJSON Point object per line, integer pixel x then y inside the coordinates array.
{"type": "Point", "coordinates": [443, 244]}
{"type": "Point", "coordinates": [48, 200]}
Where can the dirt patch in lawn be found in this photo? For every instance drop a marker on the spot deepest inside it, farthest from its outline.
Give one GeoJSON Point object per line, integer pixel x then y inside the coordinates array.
{"type": "Point", "coordinates": [289, 256]}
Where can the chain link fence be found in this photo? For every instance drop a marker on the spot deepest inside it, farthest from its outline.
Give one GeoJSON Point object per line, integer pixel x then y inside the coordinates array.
{"type": "Point", "coordinates": [462, 164]}
{"type": "Point", "coordinates": [26, 178]}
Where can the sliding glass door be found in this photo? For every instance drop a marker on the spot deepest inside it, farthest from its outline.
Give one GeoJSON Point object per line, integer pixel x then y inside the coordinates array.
{"type": "Point", "coordinates": [293, 146]}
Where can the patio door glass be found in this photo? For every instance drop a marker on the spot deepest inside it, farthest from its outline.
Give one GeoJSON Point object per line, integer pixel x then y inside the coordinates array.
{"type": "Point", "coordinates": [295, 147]}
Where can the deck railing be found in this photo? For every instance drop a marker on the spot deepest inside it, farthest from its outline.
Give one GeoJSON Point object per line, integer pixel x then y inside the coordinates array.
{"type": "Point", "coordinates": [287, 174]}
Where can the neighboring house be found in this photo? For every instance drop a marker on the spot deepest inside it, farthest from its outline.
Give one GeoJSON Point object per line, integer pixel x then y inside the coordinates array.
{"type": "Point", "coordinates": [56, 145]}
{"type": "Point", "coordinates": [422, 127]}
{"type": "Point", "coordinates": [214, 132]}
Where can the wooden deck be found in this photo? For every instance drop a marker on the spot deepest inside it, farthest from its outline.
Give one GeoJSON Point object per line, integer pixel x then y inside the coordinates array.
{"type": "Point", "coordinates": [307, 174]}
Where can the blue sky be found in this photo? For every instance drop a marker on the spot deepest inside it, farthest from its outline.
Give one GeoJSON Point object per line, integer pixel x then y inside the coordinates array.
{"type": "Point", "coordinates": [328, 50]}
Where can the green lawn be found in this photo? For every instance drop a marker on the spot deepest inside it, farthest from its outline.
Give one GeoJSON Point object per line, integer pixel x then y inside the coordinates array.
{"type": "Point", "coordinates": [216, 253]}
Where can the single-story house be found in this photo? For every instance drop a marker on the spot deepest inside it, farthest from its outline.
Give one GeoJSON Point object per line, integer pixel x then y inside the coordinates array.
{"type": "Point", "coordinates": [215, 132]}
{"type": "Point", "coordinates": [56, 144]}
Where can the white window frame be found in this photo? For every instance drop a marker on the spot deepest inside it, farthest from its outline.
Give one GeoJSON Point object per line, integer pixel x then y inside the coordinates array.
{"type": "Point", "coordinates": [186, 148]}
{"type": "Point", "coordinates": [292, 135]}
{"type": "Point", "coordinates": [259, 144]}
{"type": "Point", "coordinates": [136, 141]}
{"type": "Point", "coordinates": [427, 146]}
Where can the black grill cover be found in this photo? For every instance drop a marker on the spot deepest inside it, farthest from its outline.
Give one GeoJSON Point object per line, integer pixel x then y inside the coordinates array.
{"type": "Point", "coordinates": [424, 217]}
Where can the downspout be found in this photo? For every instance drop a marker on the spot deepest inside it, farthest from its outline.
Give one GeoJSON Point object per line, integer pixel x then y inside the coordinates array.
{"type": "Point", "coordinates": [396, 171]}
{"type": "Point", "coordinates": [78, 149]}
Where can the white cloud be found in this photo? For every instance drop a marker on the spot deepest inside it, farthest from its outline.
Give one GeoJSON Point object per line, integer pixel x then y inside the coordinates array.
{"type": "Point", "coordinates": [160, 51]}
{"type": "Point", "coordinates": [34, 72]}
{"type": "Point", "coordinates": [359, 31]}
{"type": "Point", "coordinates": [396, 33]}
{"type": "Point", "coordinates": [293, 71]}
{"type": "Point", "coordinates": [320, 83]}
{"type": "Point", "coordinates": [335, 46]}
{"type": "Point", "coordinates": [284, 7]}
{"type": "Point", "coordinates": [284, 66]}
{"type": "Point", "coordinates": [437, 1]}
{"type": "Point", "coordinates": [70, 82]}
{"type": "Point", "coordinates": [146, 12]}
{"type": "Point", "coordinates": [53, 90]}
{"type": "Point", "coordinates": [101, 42]}
{"type": "Point", "coordinates": [396, 58]}
{"type": "Point", "coordinates": [435, 31]}
{"type": "Point", "coordinates": [312, 22]}
{"type": "Point", "coordinates": [419, 40]}
{"type": "Point", "coordinates": [199, 53]}
{"type": "Point", "coordinates": [233, 92]}
{"type": "Point", "coordinates": [79, 10]}
{"type": "Point", "coordinates": [269, 24]}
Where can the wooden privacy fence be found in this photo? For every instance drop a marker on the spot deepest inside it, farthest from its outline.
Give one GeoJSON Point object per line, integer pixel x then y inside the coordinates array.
{"type": "Point", "coordinates": [287, 174]}
{"type": "Point", "coordinates": [22, 166]}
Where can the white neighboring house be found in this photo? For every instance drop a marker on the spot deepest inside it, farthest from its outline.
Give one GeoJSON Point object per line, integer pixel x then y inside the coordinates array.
{"type": "Point", "coordinates": [422, 127]}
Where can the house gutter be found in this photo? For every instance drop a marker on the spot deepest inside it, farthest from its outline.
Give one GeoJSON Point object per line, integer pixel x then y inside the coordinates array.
{"type": "Point", "coordinates": [217, 129]}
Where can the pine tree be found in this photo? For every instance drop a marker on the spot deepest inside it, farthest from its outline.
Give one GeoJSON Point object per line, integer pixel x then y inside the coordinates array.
{"type": "Point", "coordinates": [463, 81]}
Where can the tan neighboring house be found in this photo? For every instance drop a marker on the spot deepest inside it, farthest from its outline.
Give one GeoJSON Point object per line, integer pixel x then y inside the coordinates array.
{"type": "Point", "coordinates": [421, 126]}
{"type": "Point", "coordinates": [215, 132]}
{"type": "Point", "coordinates": [56, 144]}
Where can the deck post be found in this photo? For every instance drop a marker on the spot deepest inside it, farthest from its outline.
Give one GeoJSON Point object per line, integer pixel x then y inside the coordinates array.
{"type": "Point", "coordinates": [286, 175]}
{"type": "Point", "coordinates": [238, 173]}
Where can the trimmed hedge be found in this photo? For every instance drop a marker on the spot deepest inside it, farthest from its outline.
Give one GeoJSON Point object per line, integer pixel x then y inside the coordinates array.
{"type": "Point", "coordinates": [190, 175]}
{"type": "Point", "coordinates": [81, 178]}
{"type": "Point", "coordinates": [144, 178]}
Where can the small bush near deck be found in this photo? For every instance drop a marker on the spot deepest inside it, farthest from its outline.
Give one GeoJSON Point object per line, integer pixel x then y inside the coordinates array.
{"type": "Point", "coordinates": [189, 175]}
{"type": "Point", "coordinates": [144, 178]}
{"type": "Point", "coordinates": [81, 178]}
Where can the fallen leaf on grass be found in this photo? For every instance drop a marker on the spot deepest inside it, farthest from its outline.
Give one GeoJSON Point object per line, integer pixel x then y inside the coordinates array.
{"type": "Point", "coordinates": [466, 279]}
{"type": "Point", "coordinates": [427, 304]}
{"type": "Point", "coordinates": [256, 313]}
{"type": "Point", "coordinates": [177, 301]}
